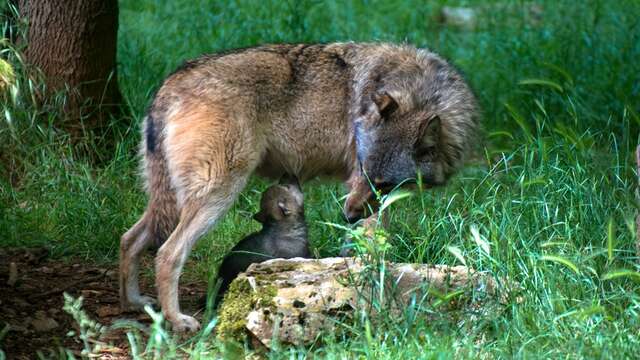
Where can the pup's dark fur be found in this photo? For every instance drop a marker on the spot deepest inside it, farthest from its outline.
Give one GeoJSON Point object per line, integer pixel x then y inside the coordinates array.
{"type": "Point", "coordinates": [358, 112]}
{"type": "Point", "coordinates": [283, 234]}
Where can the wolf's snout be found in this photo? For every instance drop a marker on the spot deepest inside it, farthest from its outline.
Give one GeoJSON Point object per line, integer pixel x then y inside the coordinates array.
{"type": "Point", "coordinates": [360, 200]}
{"type": "Point", "coordinates": [353, 215]}
{"type": "Point", "coordinates": [384, 186]}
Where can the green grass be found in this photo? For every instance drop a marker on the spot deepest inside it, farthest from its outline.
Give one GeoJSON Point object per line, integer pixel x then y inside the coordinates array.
{"type": "Point", "coordinates": [551, 191]}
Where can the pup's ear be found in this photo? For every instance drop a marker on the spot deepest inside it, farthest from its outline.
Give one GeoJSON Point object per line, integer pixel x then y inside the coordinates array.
{"type": "Point", "coordinates": [385, 103]}
{"type": "Point", "coordinates": [260, 217]}
{"type": "Point", "coordinates": [284, 209]}
{"type": "Point", "coordinates": [288, 179]}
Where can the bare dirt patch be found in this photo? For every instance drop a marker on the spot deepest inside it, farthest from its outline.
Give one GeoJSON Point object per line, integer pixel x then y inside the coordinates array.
{"type": "Point", "coordinates": [31, 301]}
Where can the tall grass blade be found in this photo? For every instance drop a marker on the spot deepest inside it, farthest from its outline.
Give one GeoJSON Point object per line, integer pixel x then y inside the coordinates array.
{"type": "Point", "coordinates": [610, 239]}
{"type": "Point", "coordinates": [542, 82]}
{"type": "Point", "coordinates": [482, 243]}
{"type": "Point", "coordinates": [562, 261]}
{"type": "Point", "coordinates": [393, 197]}
{"type": "Point", "coordinates": [616, 274]}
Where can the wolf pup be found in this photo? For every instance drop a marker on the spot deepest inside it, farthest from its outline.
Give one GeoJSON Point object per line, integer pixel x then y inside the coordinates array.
{"type": "Point", "coordinates": [283, 234]}
{"type": "Point", "coordinates": [379, 112]}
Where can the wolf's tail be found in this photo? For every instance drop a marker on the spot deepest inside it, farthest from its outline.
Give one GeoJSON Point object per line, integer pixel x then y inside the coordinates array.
{"type": "Point", "coordinates": [162, 213]}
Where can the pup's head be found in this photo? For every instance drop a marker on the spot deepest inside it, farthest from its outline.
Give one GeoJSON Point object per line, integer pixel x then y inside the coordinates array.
{"type": "Point", "coordinates": [415, 115]}
{"type": "Point", "coordinates": [282, 202]}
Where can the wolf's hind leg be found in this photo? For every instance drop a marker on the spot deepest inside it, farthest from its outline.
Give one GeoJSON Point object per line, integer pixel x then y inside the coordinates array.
{"type": "Point", "coordinates": [196, 218]}
{"type": "Point", "coordinates": [132, 245]}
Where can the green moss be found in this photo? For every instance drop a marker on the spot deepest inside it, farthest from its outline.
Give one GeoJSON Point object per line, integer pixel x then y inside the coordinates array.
{"type": "Point", "coordinates": [266, 294]}
{"type": "Point", "coordinates": [238, 301]}
{"type": "Point", "coordinates": [279, 269]}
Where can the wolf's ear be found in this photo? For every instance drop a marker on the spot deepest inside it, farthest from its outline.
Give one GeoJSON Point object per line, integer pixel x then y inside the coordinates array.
{"type": "Point", "coordinates": [385, 103]}
{"type": "Point", "coordinates": [378, 108]}
{"type": "Point", "coordinates": [431, 134]}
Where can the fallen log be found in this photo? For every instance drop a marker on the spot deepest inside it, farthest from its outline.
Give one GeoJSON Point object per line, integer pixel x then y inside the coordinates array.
{"type": "Point", "coordinates": [295, 300]}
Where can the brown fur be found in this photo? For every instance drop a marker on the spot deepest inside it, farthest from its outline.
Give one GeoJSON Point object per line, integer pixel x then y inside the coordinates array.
{"type": "Point", "coordinates": [372, 113]}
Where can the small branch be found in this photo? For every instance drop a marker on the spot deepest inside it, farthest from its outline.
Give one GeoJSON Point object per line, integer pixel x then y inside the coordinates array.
{"type": "Point", "coordinates": [71, 285]}
{"type": "Point", "coordinates": [13, 274]}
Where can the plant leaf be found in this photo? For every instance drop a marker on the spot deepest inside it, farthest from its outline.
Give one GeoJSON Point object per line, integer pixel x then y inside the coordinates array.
{"type": "Point", "coordinates": [455, 251]}
{"type": "Point", "coordinates": [482, 243]}
{"type": "Point", "coordinates": [393, 197]}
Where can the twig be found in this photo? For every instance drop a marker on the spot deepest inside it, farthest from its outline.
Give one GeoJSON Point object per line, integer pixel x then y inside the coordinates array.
{"type": "Point", "coordinates": [71, 285]}
{"type": "Point", "coordinates": [13, 274]}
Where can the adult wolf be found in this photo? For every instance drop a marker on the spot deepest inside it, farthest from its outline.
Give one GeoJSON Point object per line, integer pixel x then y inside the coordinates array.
{"type": "Point", "coordinates": [360, 112]}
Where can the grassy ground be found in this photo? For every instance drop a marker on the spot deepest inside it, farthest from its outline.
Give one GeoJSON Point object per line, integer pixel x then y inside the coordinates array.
{"type": "Point", "coordinates": [551, 191]}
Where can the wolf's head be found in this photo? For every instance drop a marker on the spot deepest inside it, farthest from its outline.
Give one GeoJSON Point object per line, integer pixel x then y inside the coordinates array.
{"type": "Point", "coordinates": [413, 115]}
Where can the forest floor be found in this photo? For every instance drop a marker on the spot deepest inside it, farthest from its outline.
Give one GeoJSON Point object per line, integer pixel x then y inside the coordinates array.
{"type": "Point", "coordinates": [32, 305]}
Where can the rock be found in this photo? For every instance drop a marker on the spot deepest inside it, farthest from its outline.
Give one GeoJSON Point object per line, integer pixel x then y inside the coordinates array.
{"type": "Point", "coordinates": [295, 300]}
{"type": "Point", "coordinates": [54, 311]}
{"type": "Point", "coordinates": [463, 17]}
{"type": "Point", "coordinates": [42, 323]}
{"type": "Point", "coordinates": [511, 14]}
{"type": "Point", "coordinates": [13, 274]}
{"type": "Point", "coordinates": [34, 256]}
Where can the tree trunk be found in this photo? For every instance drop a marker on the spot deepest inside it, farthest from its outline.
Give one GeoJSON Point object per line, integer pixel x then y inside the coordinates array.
{"type": "Point", "coordinates": [73, 43]}
{"type": "Point", "coordinates": [638, 200]}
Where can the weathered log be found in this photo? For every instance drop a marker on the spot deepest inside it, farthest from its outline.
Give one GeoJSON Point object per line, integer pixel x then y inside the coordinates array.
{"type": "Point", "coordinates": [295, 300]}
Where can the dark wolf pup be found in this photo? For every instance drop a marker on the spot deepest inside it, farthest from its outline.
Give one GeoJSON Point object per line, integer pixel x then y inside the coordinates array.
{"type": "Point", "coordinates": [283, 234]}
{"type": "Point", "coordinates": [378, 113]}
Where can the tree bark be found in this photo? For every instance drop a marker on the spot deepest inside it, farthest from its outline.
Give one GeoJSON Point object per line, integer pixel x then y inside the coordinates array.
{"type": "Point", "coordinates": [73, 43]}
{"type": "Point", "coordinates": [638, 200]}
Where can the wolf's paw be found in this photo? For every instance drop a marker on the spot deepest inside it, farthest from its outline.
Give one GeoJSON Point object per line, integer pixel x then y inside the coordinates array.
{"type": "Point", "coordinates": [184, 323]}
{"type": "Point", "coordinates": [137, 303]}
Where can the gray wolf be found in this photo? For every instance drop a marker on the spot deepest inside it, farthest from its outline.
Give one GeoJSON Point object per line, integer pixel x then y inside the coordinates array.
{"type": "Point", "coordinates": [364, 113]}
